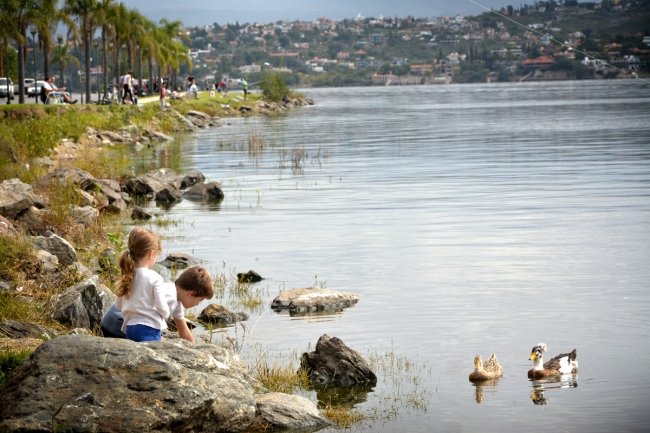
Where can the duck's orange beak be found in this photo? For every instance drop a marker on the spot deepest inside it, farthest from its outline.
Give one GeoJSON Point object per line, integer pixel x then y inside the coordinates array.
{"type": "Point", "coordinates": [533, 356]}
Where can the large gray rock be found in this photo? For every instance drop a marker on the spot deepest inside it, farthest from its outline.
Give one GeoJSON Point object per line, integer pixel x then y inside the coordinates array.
{"type": "Point", "coordinates": [117, 385]}
{"type": "Point", "coordinates": [15, 197]}
{"type": "Point", "coordinates": [140, 214]}
{"type": "Point", "coordinates": [15, 329]}
{"type": "Point", "coordinates": [47, 262]}
{"type": "Point", "coordinates": [85, 216]}
{"type": "Point", "coordinates": [192, 179]}
{"type": "Point", "coordinates": [114, 137]}
{"type": "Point", "coordinates": [210, 191]}
{"type": "Point", "coordinates": [180, 261]}
{"type": "Point", "coordinates": [313, 299]}
{"type": "Point", "coordinates": [33, 221]}
{"type": "Point", "coordinates": [113, 193]}
{"type": "Point", "coordinates": [58, 246]}
{"type": "Point", "coordinates": [218, 314]}
{"type": "Point", "coordinates": [7, 228]}
{"type": "Point", "coordinates": [84, 180]}
{"type": "Point", "coordinates": [148, 185]}
{"type": "Point", "coordinates": [84, 305]}
{"type": "Point", "coordinates": [158, 136]}
{"type": "Point", "coordinates": [288, 412]}
{"type": "Point", "coordinates": [199, 115]}
{"type": "Point", "coordinates": [333, 363]}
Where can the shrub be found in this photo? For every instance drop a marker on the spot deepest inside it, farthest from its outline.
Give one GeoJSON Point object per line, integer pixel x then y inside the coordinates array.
{"type": "Point", "coordinates": [273, 86]}
{"type": "Point", "coordinates": [9, 360]}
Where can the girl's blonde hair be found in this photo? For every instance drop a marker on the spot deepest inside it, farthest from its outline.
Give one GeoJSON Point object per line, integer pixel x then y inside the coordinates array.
{"type": "Point", "coordinates": [141, 242]}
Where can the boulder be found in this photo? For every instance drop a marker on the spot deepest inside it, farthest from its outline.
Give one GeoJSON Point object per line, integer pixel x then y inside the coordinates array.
{"type": "Point", "coordinates": [180, 261]}
{"type": "Point", "coordinates": [140, 214]}
{"type": "Point", "coordinates": [313, 299]}
{"type": "Point", "coordinates": [16, 197]}
{"type": "Point", "coordinates": [166, 175]}
{"type": "Point", "coordinates": [335, 364]}
{"type": "Point", "coordinates": [210, 190]}
{"type": "Point", "coordinates": [82, 179]}
{"type": "Point", "coordinates": [159, 136]}
{"type": "Point", "coordinates": [245, 109]}
{"type": "Point", "coordinates": [117, 385]}
{"type": "Point", "coordinates": [6, 286]}
{"type": "Point", "coordinates": [219, 314]}
{"type": "Point", "coordinates": [146, 185]}
{"type": "Point", "coordinates": [83, 305]}
{"type": "Point", "coordinates": [33, 221]}
{"type": "Point", "coordinates": [199, 115]}
{"type": "Point", "coordinates": [85, 216]}
{"type": "Point", "coordinates": [80, 269]}
{"type": "Point", "coordinates": [276, 410]}
{"type": "Point", "coordinates": [47, 262]}
{"type": "Point", "coordinates": [115, 208]}
{"type": "Point", "coordinates": [14, 329]}
{"type": "Point", "coordinates": [197, 121]}
{"type": "Point", "coordinates": [192, 179]}
{"type": "Point", "coordinates": [58, 246]}
{"type": "Point", "coordinates": [114, 136]}
{"type": "Point", "coordinates": [110, 184]}
{"type": "Point", "coordinates": [113, 193]}
{"type": "Point", "coordinates": [44, 162]}
{"type": "Point", "coordinates": [249, 277]}
{"type": "Point", "coordinates": [6, 228]}
{"type": "Point", "coordinates": [86, 198]}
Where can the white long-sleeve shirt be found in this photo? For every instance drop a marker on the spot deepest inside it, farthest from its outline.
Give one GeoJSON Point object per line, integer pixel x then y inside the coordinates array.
{"type": "Point", "coordinates": [150, 301]}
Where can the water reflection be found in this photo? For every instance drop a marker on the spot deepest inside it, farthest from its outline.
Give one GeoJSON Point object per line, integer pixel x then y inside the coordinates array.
{"type": "Point", "coordinates": [346, 397]}
{"type": "Point", "coordinates": [540, 386]}
{"type": "Point", "coordinates": [481, 386]}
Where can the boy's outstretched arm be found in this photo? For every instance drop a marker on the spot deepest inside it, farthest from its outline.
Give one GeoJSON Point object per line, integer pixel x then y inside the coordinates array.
{"type": "Point", "coordinates": [183, 330]}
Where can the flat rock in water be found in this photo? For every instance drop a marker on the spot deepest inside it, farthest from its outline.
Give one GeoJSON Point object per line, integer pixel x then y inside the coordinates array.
{"type": "Point", "coordinates": [146, 185]}
{"type": "Point", "coordinates": [83, 305]}
{"type": "Point", "coordinates": [180, 261]}
{"type": "Point", "coordinates": [219, 314]}
{"type": "Point", "coordinates": [335, 364]}
{"type": "Point", "coordinates": [15, 197]}
{"type": "Point", "coordinates": [313, 299]}
{"type": "Point", "coordinates": [249, 277]}
{"type": "Point", "coordinates": [198, 114]}
{"type": "Point", "coordinates": [288, 412]}
{"type": "Point", "coordinates": [57, 246]}
{"type": "Point", "coordinates": [192, 179]}
{"type": "Point", "coordinates": [14, 329]}
{"type": "Point", "coordinates": [117, 385]}
{"type": "Point", "coordinates": [210, 191]}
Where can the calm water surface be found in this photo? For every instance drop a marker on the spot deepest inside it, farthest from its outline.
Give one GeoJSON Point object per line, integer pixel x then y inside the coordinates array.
{"type": "Point", "coordinates": [469, 220]}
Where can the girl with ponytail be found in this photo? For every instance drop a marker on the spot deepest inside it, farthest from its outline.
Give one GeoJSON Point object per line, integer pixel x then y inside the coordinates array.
{"type": "Point", "coordinates": [141, 291]}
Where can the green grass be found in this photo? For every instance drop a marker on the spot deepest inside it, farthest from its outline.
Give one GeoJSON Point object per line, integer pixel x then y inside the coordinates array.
{"type": "Point", "coordinates": [16, 258]}
{"type": "Point", "coordinates": [213, 106]}
{"type": "Point", "coordinates": [9, 360]}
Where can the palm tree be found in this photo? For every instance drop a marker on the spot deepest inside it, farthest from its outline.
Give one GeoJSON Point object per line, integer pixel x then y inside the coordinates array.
{"type": "Point", "coordinates": [53, 17]}
{"type": "Point", "coordinates": [105, 8]}
{"type": "Point", "coordinates": [173, 52]}
{"type": "Point", "coordinates": [118, 30]}
{"type": "Point", "coordinates": [86, 12]}
{"type": "Point", "coordinates": [63, 57]}
{"type": "Point", "coordinates": [18, 15]}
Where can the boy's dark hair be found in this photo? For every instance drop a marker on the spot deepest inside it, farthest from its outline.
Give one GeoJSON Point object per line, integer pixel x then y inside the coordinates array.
{"type": "Point", "coordinates": [196, 279]}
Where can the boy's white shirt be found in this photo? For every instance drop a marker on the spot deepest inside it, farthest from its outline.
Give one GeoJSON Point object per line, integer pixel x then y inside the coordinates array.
{"type": "Point", "coordinates": [150, 301]}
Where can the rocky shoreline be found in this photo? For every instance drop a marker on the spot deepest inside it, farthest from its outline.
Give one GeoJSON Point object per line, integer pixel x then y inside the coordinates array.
{"type": "Point", "coordinates": [77, 381]}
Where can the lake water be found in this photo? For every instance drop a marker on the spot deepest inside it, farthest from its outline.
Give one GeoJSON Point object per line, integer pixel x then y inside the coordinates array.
{"type": "Point", "coordinates": [469, 219]}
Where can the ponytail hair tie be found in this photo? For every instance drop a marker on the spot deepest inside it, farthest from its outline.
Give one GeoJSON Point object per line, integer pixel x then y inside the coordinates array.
{"type": "Point", "coordinates": [128, 251]}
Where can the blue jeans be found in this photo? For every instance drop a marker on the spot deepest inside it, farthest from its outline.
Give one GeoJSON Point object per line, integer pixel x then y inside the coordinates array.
{"type": "Point", "coordinates": [141, 333]}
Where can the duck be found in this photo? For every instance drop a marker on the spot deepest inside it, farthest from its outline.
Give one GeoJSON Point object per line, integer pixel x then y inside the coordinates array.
{"type": "Point", "coordinates": [490, 369]}
{"type": "Point", "coordinates": [565, 363]}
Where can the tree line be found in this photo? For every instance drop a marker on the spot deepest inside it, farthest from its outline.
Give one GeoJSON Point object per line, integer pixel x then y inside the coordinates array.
{"type": "Point", "coordinates": [124, 35]}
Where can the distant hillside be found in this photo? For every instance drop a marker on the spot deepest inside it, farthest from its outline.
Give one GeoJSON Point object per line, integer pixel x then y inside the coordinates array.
{"type": "Point", "coordinates": [599, 22]}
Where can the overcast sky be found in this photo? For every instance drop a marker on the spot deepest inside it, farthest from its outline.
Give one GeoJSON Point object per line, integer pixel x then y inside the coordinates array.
{"type": "Point", "coordinates": [205, 12]}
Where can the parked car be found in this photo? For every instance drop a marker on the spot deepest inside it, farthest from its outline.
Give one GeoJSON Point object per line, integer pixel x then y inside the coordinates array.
{"type": "Point", "coordinates": [26, 83]}
{"type": "Point", "coordinates": [30, 89]}
{"type": "Point", "coordinates": [4, 90]}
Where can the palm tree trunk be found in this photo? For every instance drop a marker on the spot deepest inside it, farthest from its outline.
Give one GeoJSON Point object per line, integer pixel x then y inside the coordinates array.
{"type": "Point", "coordinates": [46, 60]}
{"type": "Point", "coordinates": [104, 63]}
{"type": "Point", "coordinates": [21, 73]}
{"type": "Point", "coordinates": [129, 57]}
{"type": "Point", "coordinates": [87, 63]}
{"type": "Point", "coordinates": [140, 87]}
{"type": "Point", "coordinates": [150, 76]}
{"type": "Point", "coordinates": [116, 67]}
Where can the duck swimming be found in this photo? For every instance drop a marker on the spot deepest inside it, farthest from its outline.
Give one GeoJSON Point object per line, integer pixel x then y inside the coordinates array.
{"type": "Point", "coordinates": [490, 369]}
{"type": "Point", "coordinates": [561, 364]}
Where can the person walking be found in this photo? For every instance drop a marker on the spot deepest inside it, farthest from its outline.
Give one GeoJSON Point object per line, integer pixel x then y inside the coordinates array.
{"type": "Point", "coordinates": [163, 95]}
{"type": "Point", "coordinates": [126, 86]}
{"type": "Point", "coordinates": [244, 85]}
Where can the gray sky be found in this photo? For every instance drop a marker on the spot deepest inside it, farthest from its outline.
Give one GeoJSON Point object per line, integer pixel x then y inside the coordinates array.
{"type": "Point", "coordinates": [205, 12]}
